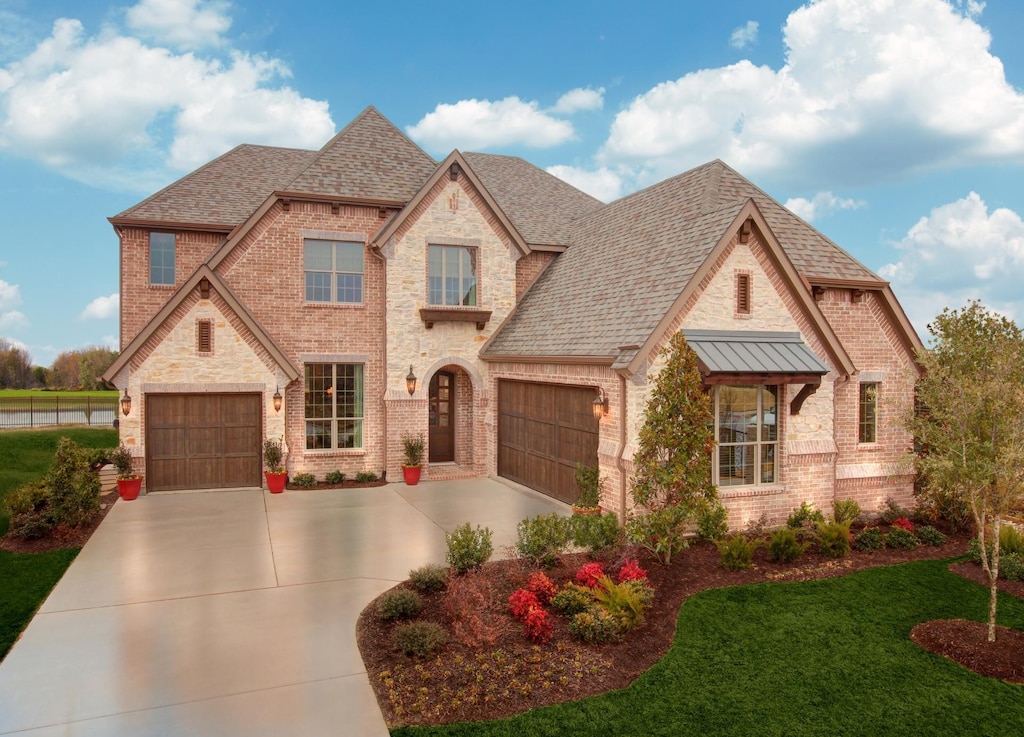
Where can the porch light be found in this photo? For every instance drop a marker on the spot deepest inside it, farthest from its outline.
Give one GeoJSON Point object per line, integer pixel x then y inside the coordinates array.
{"type": "Point", "coordinates": [277, 399]}
{"type": "Point", "coordinates": [410, 382]}
{"type": "Point", "coordinates": [126, 403]}
{"type": "Point", "coordinates": [600, 405]}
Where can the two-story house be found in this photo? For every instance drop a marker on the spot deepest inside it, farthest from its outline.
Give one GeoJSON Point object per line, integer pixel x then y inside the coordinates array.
{"type": "Point", "coordinates": [342, 298]}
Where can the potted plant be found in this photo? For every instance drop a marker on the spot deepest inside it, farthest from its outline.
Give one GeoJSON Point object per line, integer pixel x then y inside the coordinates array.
{"type": "Point", "coordinates": [129, 483]}
{"type": "Point", "coordinates": [273, 458]}
{"type": "Point", "coordinates": [589, 483]}
{"type": "Point", "coordinates": [412, 447]}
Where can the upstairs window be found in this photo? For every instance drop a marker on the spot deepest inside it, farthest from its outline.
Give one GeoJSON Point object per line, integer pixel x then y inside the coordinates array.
{"type": "Point", "coordinates": [334, 271]}
{"type": "Point", "coordinates": [868, 416]}
{"type": "Point", "coordinates": [451, 278]}
{"type": "Point", "coordinates": [161, 258]}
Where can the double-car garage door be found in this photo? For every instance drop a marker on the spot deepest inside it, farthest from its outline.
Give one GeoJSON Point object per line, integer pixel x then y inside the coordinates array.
{"type": "Point", "coordinates": [543, 431]}
{"type": "Point", "coordinates": [203, 441]}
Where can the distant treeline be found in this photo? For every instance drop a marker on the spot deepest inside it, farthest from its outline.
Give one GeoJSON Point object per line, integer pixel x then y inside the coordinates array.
{"type": "Point", "coordinates": [80, 369]}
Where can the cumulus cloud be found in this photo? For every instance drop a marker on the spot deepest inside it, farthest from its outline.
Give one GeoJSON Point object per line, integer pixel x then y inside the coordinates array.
{"type": "Point", "coordinates": [474, 125]}
{"type": "Point", "coordinates": [111, 110]}
{"type": "Point", "coordinates": [821, 205]}
{"type": "Point", "coordinates": [960, 251]}
{"type": "Point", "coordinates": [744, 35]}
{"type": "Point", "coordinates": [189, 24]}
{"type": "Point", "coordinates": [12, 320]}
{"type": "Point", "coordinates": [603, 183]}
{"type": "Point", "coordinates": [10, 295]}
{"type": "Point", "coordinates": [102, 308]}
{"type": "Point", "coordinates": [579, 99]}
{"type": "Point", "coordinates": [871, 90]}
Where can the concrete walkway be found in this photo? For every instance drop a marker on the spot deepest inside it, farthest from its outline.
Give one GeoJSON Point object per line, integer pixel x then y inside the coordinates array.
{"type": "Point", "coordinates": [233, 612]}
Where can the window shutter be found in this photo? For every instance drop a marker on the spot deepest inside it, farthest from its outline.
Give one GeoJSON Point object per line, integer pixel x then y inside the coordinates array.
{"type": "Point", "coordinates": [743, 294]}
{"type": "Point", "coordinates": [204, 336]}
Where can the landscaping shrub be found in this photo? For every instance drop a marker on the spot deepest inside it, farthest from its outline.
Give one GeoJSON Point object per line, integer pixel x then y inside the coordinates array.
{"type": "Point", "coordinates": [892, 511]}
{"type": "Point", "coordinates": [845, 510]}
{"type": "Point", "coordinates": [785, 546]}
{"type": "Point", "coordinates": [712, 522]}
{"type": "Point", "coordinates": [572, 599]}
{"type": "Point", "coordinates": [400, 604]}
{"type": "Point", "coordinates": [1011, 553]}
{"type": "Point", "coordinates": [305, 480]}
{"type": "Point", "coordinates": [419, 638]}
{"type": "Point", "coordinates": [543, 538]}
{"type": "Point", "coordinates": [870, 538]}
{"type": "Point", "coordinates": [364, 477]}
{"type": "Point", "coordinates": [662, 532]}
{"type": "Point", "coordinates": [757, 527]}
{"type": "Point", "coordinates": [72, 488]}
{"type": "Point", "coordinates": [476, 609]}
{"type": "Point", "coordinates": [624, 602]}
{"type": "Point", "coordinates": [468, 548]}
{"type": "Point", "coordinates": [929, 535]}
{"type": "Point", "coordinates": [521, 602]}
{"type": "Point", "coordinates": [32, 526]}
{"type": "Point", "coordinates": [595, 532]}
{"type": "Point", "coordinates": [737, 552]}
{"type": "Point", "coordinates": [537, 625]}
{"type": "Point", "coordinates": [1011, 540]}
{"type": "Point", "coordinates": [588, 574]}
{"type": "Point", "coordinates": [334, 477]}
{"type": "Point", "coordinates": [26, 499]}
{"type": "Point", "coordinates": [542, 587]}
{"type": "Point", "coordinates": [903, 523]}
{"type": "Point", "coordinates": [940, 503]}
{"type": "Point", "coordinates": [1011, 567]}
{"type": "Point", "coordinates": [430, 577]}
{"type": "Point", "coordinates": [901, 538]}
{"type": "Point", "coordinates": [834, 539]}
{"type": "Point", "coordinates": [594, 625]}
{"type": "Point", "coordinates": [804, 516]}
{"type": "Point", "coordinates": [630, 570]}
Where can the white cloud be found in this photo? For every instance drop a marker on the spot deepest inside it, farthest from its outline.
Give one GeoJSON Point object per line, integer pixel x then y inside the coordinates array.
{"type": "Point", "coordinates": [744, 35]}
{"type": "Point", "coordinates": [960, 251]}
{"type": "Point", "coordinates": [12, 320]}
{"type": "Point", "coordinates": [603, 183]}
{"type": "Point", "coordinates": [871, 90]}
{"type": "Point", "coordinates": [821, 205]}
{"type": "Point", "coordinates": [579, 99]}
{"type": "Point", "coordinates": [102, 308]}
{"type": "Point", "coordinates": [472, 125]}
{"type": "Point", "coordinates": [10, 295]}
{"type": "Point", "coordinates": [972, 8]}
{"type": "Point", "coordinates": [111, 110]}
{"type": "Point", "coordinates": [189, 24]}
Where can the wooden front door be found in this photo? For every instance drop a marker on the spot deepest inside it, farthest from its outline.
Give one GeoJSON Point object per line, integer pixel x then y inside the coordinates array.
{"type": "Point", "coordinates": [442, 417]}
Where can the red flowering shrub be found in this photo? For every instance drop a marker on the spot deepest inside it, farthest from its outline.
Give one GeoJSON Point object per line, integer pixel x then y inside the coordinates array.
{"type": "Point", "coordinates": [537, 625]}
{"type": "Point", "coordinates": [589, 574]}
{"type": "Point", "coordinates": [631, 571]}
{"type": "Point", "coordinates": [903, 523]}
{"type": "Point", "coordinates": [522, 602]}
{"type": "Point", "coordinates": [542, 587]}
{"type": "Point", "coordinates": [475, 609]}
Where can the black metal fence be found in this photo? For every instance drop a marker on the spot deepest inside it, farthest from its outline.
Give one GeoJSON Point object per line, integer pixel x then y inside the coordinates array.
{"type": "Point", "coordinates": [57, 410]}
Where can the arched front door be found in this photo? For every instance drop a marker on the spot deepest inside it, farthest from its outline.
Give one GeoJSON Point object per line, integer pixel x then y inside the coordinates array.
{"type": "Point", "coordinates": [442, 417]}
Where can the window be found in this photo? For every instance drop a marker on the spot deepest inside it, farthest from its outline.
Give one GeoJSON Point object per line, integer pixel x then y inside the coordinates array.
{"type": "Point", "coordinates": [747, 430]}
{"type": "Point", "coordinates": [161, 258]}
{"type": "Point", "coordinates": [452, 276]}
{"type": "Point", "coordinates": [334, 406]}
{"type": "Point", "coordinates": [334, 271]}
{"type": "Point", "coordinates": [867, 424]}
{"type": "Point", "coordinates": [743, 294]}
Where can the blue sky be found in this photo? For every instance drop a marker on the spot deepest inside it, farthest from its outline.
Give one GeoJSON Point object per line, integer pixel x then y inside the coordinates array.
{"type": "Point", "coordinates": [896, 127]}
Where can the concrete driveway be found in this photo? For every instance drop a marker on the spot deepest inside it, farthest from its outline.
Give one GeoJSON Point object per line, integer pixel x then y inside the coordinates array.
{"type": "Point", "coordinates": [233, 612]}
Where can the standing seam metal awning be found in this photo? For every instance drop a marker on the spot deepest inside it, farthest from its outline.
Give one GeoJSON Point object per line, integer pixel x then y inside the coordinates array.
{"type": "Point", "coordinates": [743, 352]}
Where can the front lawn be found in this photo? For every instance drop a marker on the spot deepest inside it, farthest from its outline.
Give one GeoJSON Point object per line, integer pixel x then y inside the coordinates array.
{"type": "Point", "coordinates": [810, 658]}
{"type": "Point", "coordinates": [26, 579]}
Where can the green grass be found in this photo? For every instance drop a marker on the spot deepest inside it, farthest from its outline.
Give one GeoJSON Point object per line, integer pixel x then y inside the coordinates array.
{"type": "Point", "coordinates": [46, 394]}
{"type": "Point", "coordinates": [820, 657]}
{"type": "Point", "coordinates": [26, 579]}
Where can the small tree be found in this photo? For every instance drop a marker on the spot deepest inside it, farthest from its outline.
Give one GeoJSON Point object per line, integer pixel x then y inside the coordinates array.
{"type": "Point", "coordinates": [971, 422]}
{"type": "Point", "coordinates": [672, 465]}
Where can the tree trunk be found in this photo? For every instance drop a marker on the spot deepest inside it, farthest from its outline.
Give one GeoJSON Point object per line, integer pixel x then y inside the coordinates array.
{"type": "Point", "coordinates": [993, 578]}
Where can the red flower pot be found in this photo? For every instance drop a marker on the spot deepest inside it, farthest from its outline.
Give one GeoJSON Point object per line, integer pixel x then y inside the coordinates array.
{"type": "Point", "coordinates": [129, 488]}
{"type": "Point", "coordinates": [412, 474]}
{"type": "Point", "coordinates": [586, 510]}
{"type": "Point", "coordinates": [276, 481]}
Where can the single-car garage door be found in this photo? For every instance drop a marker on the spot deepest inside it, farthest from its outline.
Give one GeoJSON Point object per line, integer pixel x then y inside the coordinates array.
{"type": "Point", "coordinates": [203, 441]}
{"type": "Point", "coordinates": [543, 431]}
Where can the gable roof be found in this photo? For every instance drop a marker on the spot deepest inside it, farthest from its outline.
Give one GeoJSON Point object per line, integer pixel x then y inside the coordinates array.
{"type": "Point", "coordinates": [369, 159]}
{"type": "Point", "coordinates": [222, 193]}
{"type": "Point", "coordinates": [630, 261]}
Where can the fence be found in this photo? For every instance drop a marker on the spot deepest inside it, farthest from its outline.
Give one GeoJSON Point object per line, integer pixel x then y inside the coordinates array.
{"type": "Point", "coordinates": [41, 411]}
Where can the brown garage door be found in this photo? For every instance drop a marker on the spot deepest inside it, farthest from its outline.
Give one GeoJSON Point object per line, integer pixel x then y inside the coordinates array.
{"type": "Point", "coordinates": [543, 430]}
{"type": "Point", "coordinates": [202, 441]}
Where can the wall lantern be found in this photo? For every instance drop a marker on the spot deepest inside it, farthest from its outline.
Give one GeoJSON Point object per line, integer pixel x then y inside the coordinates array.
{"type": "Point", "coordinates": [410, 382]}
{"type": "Point", "coordinates": [277, 399]}
{"type": "Point", "coordinates": [126, 403]}
{"type": "Point", "coordinates": [600, 405]}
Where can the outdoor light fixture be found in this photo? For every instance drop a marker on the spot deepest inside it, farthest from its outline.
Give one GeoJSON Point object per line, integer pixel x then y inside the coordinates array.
{"type": "Point", "coordinates": [277, 399]}
{"type": "Point", "coordinates": [410, 382]}
{"type": "Point", "coordinates": [600, 405]}
{"type": "Point", "coordinates": [126, 403]}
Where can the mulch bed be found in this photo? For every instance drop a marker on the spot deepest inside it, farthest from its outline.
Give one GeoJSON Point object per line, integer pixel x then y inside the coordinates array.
{"type": "Point", "coordinates": [346, 484]}
{"type": "Point", "coordinates": [63, 537]}
{"type": "Point", "coordinates": [967, 643]}
{"type": "Point", "coordinates": [460, 683]}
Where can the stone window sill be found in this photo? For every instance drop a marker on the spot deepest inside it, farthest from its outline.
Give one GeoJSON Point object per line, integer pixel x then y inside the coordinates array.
{"type": "Point", "coordinates": [745, 492]}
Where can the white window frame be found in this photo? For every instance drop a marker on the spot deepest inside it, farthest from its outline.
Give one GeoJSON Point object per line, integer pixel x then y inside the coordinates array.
{"type": "Point", "coordinates": [757, 446]}
{"type": "Point", "coordinates": [473, 279]}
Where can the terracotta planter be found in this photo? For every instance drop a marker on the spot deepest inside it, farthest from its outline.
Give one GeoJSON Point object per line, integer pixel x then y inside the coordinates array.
{"type": "Point", "coordinates": [412, 474]}
{"type": "Point", "coordinates": [276, 481]}
{"type": "Point", "coordinates": [129, 488]}
{"type": "Point", "coordinates": [586, 510]}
